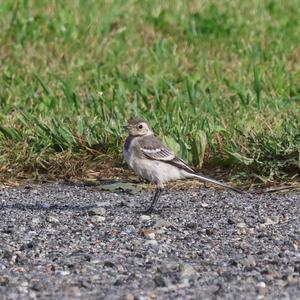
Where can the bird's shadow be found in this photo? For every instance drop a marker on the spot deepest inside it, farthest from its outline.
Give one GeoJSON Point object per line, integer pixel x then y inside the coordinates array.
{"type": "Point", "coordinates": [44, 207]}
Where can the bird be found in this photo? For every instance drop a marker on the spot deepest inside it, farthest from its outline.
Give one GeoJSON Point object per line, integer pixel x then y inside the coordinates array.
{"type": "Point", "coordinates": [153, 161]}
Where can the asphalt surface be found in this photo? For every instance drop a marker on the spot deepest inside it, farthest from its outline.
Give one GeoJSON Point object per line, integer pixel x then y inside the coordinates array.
{"type": "Point", "coordinates": [64, 241]}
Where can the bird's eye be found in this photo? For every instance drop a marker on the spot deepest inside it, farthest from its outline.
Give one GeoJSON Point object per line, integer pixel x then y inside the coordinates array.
{"type": "Point", "coordinates": [140, 126]}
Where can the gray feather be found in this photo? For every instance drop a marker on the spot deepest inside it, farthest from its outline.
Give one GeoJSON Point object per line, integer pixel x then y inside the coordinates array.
{"type": "Point", "coordinates": [152, 148]}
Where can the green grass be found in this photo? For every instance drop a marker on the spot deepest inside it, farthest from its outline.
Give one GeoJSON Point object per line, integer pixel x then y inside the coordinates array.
{"type": "Point", "coordinates": [218, 79]}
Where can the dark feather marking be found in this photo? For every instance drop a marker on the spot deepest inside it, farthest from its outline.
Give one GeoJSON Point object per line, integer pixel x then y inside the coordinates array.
{"type": "Point", "coordinates": [181, 165]}
{"type": "Point", "coordinates": [128, 142]}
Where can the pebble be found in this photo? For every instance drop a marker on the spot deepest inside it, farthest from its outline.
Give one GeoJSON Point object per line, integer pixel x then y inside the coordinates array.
{"type": "Point", "coordinates": [231, 221]}
{"type": "Point", "coordinates": [249, 262]}
{"type": "Point", "coordinates": [35, 221]}
{"type": "Point", "coordinates": [152, 243]}
{"type": "Point", "coordinates": [261, 287]}
{"type": "Point", "coordinates": [52, 219]}
{"type": "Point", "coordinates": [242, 231]}
{"type": "Point", "coordinates": [149, 233]}
{"type": "Point", "coordinates": [97, 211]}
{"type": "Point", "coordinates": [188, 271]}
{"type": "Point", "coordinates": [160, 281]}
{"type": "Point", "coordinates": [241, 225]}
{"type": "Point", "coordinates": [163, 223]}
{"type": "Point", "coordinates": [3, 280]}
{"type": "Point", "coordinates": [152, 295]}
{"type": "Point", "coordinates": [46, 205]}
{"type": "Point", "coordinates": [129, 296]}
{"type": "Point", "coordinates": [99, 218]}
{"type": "Point", "coordinates": [271, 220]}
{"type": "Point", "coordinates": [145, 218]}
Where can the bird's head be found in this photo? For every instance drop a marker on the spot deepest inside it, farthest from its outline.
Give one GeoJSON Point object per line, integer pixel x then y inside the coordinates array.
{"type": "Point", "coordinates": [138, 127]}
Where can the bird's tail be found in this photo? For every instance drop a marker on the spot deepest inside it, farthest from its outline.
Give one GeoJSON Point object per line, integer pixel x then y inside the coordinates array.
{"type": "Point", "coordinates": [204, 178]}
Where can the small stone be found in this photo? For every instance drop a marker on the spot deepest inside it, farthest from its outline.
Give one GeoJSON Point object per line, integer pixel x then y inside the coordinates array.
{"type": "Point", "coordinates": [249, 262]}
{"type": "Point", "coordinates": [19, 270]}
{"type": "Point", "coordinates": [241, 225]}
{"type": "Point", "coordinates": [233, 262]}
{"type": "Point", "coordinates": [99, 219]}
{"type": "Point", "coordinates": [108, 264]}
{"type": "Point", "coordinates": [50, 268]}
{"type": "Point", "coordinates": [97, 211]}
{"type": "Point", "coordinates": [231, 221]}
{"type": "Point", "coordinates": [209, 231]}
{"type": "Point", "coordinates": [136, 243]}
{"type": "Point", "coordinates": [35, 221]}
{"type": "Point", "coordinates": [149, 233]}
{"type": "Point", "coordinates": [152, 295]}
{"type": "Point", "coordinates": [46, 205]}
{"type": "Point", "coordinates": [191, 225]}
{"type": "Point", "coordinates": [242, 231]}
{"type": "Point", "coordinates": [261, 287]}
{"type": "Point", "coordinates": [204, 205]}
{"type": "Point", "coordinates": [296, 246]}
{"type": "Point", "coordinates": [3, 280]}
{"type": "Point", "coordinates": [36, 286]}
{"type": "Point", "coordinates": [129, 297]}
{"type": "Point", "coordinates": [291, 279]}
{"type": "Point", "coordinates": [187, 271]}
{"type": "Point", "coordinates": [152, 243]}
{"type": "Point", "coordinates": [63, 273]}
{"type": "Point", "coordinates": [261, 227]}
{"type": "Point", "coordinates": [145, 218]}
{"type": "Point", "coordinates": [52, 219]}
{"type": "Point", "coordinates": [162, 223]}
{"type": "Point", "coordinates": [251, 231]}
{"type": "Point", "coordinates": [271, 220]}
{"type": "Point", "coordinates": [244, 245]}
{"type": "Point", "coordinates": [160, 281]}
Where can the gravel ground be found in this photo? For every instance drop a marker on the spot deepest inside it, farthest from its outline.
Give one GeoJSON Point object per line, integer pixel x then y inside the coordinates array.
{"type": "Point", "coordinates": [63, 241]}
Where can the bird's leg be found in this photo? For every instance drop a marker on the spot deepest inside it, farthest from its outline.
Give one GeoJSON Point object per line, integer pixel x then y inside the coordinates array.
{"type": "Point", "coordinates": [154, 199]}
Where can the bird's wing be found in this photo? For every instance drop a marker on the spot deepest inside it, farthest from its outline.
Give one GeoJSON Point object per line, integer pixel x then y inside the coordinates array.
{"type": "Point", "coordinates": [152, 148]}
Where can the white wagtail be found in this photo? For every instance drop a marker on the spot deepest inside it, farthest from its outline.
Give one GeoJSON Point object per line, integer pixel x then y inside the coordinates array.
{"type": "Point", "coordinates": [150, 159]}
